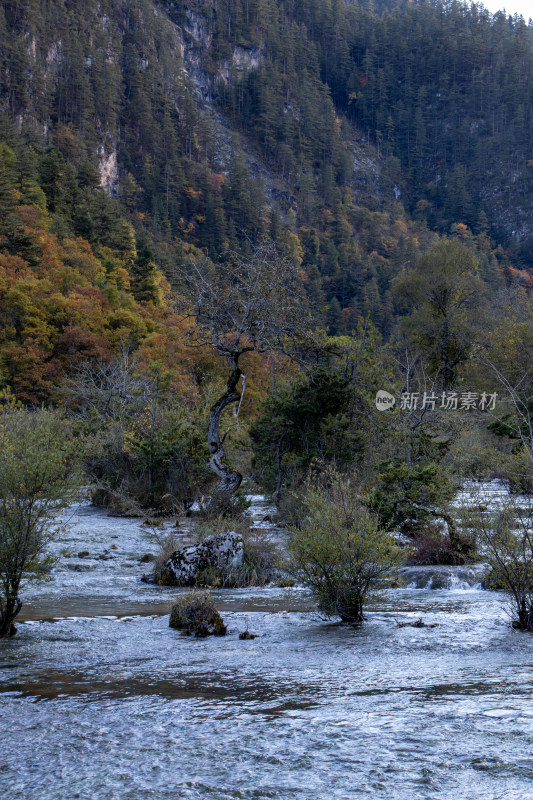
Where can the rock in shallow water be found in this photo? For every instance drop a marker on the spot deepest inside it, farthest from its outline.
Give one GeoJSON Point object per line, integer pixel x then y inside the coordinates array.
{"type": "Point", "coordinates": [81, 567]}
{"type": "Point", "coordinates": [247, 635]}
{"type": "Point", "coordinates": [195, 613]}
{"type": "Point", "coordinates": [223, 551]}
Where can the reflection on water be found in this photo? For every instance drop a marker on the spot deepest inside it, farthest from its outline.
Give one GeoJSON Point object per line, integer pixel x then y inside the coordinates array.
{"type": "Point", "coordinates": [112, 703]}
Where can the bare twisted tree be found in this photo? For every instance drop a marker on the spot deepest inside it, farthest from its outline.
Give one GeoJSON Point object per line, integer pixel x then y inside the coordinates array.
{"type": "Point", "coordinates": [246, 304]}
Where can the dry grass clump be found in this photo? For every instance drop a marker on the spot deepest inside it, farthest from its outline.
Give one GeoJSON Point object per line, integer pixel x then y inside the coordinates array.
{"type": "Point", "coordinates": [196, 614]}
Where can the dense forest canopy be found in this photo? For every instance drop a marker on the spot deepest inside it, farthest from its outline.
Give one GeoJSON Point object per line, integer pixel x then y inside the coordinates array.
{"type": "Point", "coordinates": [348, 133]}
{"type": "Point", "coordinates": [444, 91]}
{"type": "Point", "coordinates": [383, 149]}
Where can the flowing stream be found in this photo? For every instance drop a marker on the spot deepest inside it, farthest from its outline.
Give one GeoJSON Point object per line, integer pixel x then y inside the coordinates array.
{"type": "Point", "coordinates": [101, 700]}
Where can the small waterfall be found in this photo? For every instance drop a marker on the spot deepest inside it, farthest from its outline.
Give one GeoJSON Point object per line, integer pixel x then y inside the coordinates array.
{"type": "Point", "coordinates": [442, 577]}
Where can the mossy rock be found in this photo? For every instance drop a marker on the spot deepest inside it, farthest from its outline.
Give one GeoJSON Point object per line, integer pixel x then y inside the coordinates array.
{"type": "Point", "coordinates": [216, 555]}
{"type": "Point", "coordinates": [195, 613]}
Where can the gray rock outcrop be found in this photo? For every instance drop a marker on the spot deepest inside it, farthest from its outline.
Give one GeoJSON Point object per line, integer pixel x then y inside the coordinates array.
{"type": "Point", "coordinates": [221, 552]}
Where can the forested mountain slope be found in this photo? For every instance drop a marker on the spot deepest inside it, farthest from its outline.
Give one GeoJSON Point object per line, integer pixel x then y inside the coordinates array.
{"type": "Point", "coordinates": [139, 133]}
{"type": "Point", "coordinates": [444, 88]}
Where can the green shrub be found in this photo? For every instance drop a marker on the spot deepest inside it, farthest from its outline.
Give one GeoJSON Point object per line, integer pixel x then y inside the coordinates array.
{"type": "Point", "coordinates": [505, 541]}
{"type": "Point", "coordinates": [38, 476]}
{"type": "Point", "coordinates": [406, 497]}
{"type": "Point", "coordinates": [338, 551]}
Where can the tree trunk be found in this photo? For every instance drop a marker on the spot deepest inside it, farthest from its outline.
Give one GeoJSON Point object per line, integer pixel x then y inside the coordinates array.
{"type": "Point", "coordinates": [230, 479]}
{"type": "Point", "coordinates": [447, 371]}
{"type": "Point", "coordinates": [352, 614]}
{"type": "Point", "coordinates": [279, 456]}
{"type": "Point", "coordinates": [461, 546]}
{"type": "Point", "coordinates": [525, 617]}
{"type": "Point", "coordinates": [8, 612]}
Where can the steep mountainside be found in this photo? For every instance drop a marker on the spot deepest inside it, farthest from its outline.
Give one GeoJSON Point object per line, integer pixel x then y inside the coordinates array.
{"type": "Point", "coordinates": [353, 137]}
{"type": "Point", "coordinates": [443, 91]}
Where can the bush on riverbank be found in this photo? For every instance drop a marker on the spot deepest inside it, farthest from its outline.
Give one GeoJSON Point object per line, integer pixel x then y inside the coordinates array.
{"type": "Point", "coordinates": [38, 476]}
{"type": "Point", "coordinates": [432, 547]}
{"type": "Point", "coordinates": [338, 551]}
{"type": "Point", "coordinates": [505, 541]}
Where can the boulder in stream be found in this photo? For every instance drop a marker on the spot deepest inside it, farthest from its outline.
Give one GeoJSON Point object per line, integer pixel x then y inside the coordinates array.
{"type": "Point", "coordinates": [195, 614]}
{"type": "Point", "coordinates": [220, 552]}
{"type": "Point", "coordinates": [247, 635]}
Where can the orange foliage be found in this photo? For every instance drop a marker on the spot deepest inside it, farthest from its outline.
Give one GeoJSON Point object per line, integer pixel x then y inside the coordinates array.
{"type": "Point", "coordinates": [52, 313]}
{"type": "Point", "coordinates": [217, 181]}
{"type": "Point", "coordinates": [522, 277]}
{"type": "Point", "coordinates": [72, 304]}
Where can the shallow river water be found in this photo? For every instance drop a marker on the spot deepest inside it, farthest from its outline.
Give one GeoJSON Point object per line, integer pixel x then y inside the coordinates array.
{"type": "Point", "coordinates": [101, 700]}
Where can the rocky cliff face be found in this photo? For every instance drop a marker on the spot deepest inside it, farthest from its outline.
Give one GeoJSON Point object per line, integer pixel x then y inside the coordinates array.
{"type": "Point", "coordinates": [84, 67]}
{"type": "Point", "coordinates": [116, 72]}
